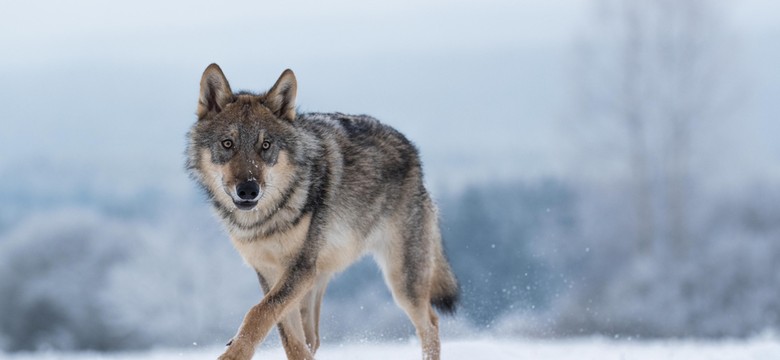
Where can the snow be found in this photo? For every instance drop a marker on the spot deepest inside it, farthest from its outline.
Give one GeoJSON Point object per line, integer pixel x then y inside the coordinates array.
{"type": "Point", "coordinates": [597, 348]}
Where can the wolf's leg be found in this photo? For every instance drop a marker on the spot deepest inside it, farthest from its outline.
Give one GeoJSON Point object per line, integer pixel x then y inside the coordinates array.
{"type": "Point", "coordinates": [310, 314]}
{"type": "Point", "coordinates": [407, 263]}
{"type": "Point", "coordinates": [285, 295]}
{"type": "Point", "coordinates": [290, 328]}
{"type": "Point", "coordinates": [293, 338]}
{"type": "Point", "coordinates": [418, 308]}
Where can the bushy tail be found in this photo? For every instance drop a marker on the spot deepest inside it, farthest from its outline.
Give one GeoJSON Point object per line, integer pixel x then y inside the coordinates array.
{"type": "Point", "coordinates": [445, 293]}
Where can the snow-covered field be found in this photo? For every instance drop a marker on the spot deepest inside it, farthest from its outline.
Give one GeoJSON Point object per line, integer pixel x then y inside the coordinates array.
{"type": "Point", "coordinates": [767, 347]}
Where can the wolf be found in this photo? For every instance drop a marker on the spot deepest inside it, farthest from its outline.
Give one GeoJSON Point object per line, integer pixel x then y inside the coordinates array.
{"type": "Point", "coordinates": [303, 196]}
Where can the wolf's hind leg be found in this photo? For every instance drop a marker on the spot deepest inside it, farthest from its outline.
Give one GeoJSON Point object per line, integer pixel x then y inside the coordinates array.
{"type": "Point", "coordinates": [407, 263]}
{"type": "Point", "coordinates": [420, 312]}
{"type": "Point", "coordinates": [310, 314]}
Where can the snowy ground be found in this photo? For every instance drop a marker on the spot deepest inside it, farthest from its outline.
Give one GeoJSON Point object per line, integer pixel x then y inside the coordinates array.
{"type": "Point", "coordinates": [767, 347]}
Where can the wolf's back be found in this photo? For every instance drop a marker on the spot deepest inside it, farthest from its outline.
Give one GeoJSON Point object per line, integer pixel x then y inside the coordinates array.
{"type": "Point", "coordinates": [379, 160]}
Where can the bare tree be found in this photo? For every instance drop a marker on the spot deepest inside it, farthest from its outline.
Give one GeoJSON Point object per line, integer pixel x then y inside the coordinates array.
{"type": "Point", "coordinates": [651, 70]}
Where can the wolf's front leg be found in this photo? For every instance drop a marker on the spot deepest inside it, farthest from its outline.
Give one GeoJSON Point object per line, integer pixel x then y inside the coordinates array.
{"type": "Point", "coordinates": [283, 297]}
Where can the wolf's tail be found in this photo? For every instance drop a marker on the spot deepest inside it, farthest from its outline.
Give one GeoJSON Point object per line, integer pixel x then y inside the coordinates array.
{"type": "Point", "coordinates": [445, 292]}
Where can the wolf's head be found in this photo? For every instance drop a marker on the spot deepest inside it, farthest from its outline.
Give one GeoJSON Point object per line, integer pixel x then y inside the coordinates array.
{"type": "Point", "coordinates": [243, 145]}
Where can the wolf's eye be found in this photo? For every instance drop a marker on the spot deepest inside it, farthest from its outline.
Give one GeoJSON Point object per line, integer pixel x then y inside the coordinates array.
{"type": "Point", "coordinates": [227, 144]}
{"type": "Point", "coordinates": [266, 145]}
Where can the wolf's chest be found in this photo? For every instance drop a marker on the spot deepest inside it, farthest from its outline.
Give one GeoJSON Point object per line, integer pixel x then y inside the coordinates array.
{"type": "Point", "coordinates": [339, 247]}
{"type": "Point", "coordinates": [275, 252]}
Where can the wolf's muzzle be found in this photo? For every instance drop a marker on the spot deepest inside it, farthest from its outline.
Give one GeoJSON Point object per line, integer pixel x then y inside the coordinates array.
{"type": "Point", "coordinates": [248, 192]}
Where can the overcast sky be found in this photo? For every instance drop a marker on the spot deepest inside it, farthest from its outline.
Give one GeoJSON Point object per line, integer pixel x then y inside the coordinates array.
{"type": "Point", "coordinates": [479, 85]}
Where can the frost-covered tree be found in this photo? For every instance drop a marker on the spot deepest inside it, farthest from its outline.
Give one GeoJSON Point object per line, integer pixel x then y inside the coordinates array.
{"type": "Point", "coordinates": [51, 268]}
{"type": "Point", "coordinates": [655, 81]}
{"type": "Point", "coordinates": [76, 279]}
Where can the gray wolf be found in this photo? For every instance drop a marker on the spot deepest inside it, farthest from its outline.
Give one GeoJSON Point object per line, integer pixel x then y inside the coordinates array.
{"type": "Point", "coordinates": [303, 196]}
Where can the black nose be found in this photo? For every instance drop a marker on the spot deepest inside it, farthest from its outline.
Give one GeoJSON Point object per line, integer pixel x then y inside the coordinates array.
{"type": "Point", "coordinates": [248, 190]}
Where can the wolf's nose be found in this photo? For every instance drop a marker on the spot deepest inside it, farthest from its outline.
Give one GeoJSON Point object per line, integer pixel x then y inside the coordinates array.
{"type": "Point", "coordinates": [248, 190]}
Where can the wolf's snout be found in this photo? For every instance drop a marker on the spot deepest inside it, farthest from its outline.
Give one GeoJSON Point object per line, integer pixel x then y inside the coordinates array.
{"type": "Point", "coordinates": [248, 190]}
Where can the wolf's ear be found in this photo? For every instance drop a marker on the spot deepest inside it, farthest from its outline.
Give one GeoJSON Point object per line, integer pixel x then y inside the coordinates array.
{"type": "Point", "coordinates": [281, 98]}
{"type": "Point", "coordinates": [215, 91]}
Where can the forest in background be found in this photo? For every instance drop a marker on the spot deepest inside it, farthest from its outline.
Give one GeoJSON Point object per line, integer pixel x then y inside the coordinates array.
{"type": "Point", "coordinates": [544, 258]}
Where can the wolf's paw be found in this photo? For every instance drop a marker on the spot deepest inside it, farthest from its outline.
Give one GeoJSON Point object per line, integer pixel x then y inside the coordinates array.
{"type": "Point", "coordinates": [228, 356]}
{"type": "Point", "coordinates": [236, 352]}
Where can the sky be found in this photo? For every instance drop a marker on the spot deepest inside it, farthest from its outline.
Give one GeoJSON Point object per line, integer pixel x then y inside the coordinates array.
{"type": "Point", "coordinates": [480, 86]}
{"type": "Point", "coordinates": [153, 32]}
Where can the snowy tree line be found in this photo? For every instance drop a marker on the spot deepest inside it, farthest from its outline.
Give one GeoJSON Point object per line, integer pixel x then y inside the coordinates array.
{"type": "Point", "coordinates": [542, 258]}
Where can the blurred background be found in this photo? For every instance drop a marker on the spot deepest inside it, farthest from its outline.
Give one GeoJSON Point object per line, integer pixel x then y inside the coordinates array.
{"type": "Point", "coordinates": [602, 167]}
